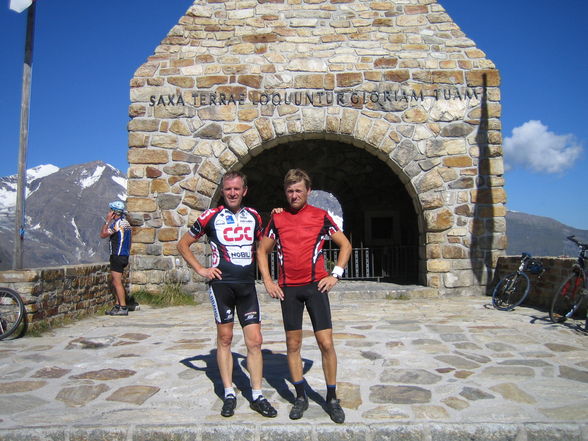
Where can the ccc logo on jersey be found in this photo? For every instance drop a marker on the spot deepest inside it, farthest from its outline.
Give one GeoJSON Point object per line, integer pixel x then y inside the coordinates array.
{"type": "Point", "coordinates": [237, 235]}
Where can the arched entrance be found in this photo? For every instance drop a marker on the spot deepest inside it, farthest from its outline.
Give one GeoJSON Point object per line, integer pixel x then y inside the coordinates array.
{"type": "Point", "coordinates": [379, 216]}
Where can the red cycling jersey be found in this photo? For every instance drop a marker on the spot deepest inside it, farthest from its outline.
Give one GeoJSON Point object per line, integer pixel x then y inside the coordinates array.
{"type": "Point", "coordinates": [300, 237]}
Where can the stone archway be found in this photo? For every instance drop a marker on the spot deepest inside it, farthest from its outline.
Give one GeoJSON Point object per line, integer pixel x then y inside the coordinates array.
{"type": "Point", "coordinates": [398, 80]}
{"type": "Point", "coordinates": [371, 195]}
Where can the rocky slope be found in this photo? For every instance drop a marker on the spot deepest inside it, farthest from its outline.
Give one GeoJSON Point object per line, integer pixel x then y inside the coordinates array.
{"type": "Point", "coordinates": [64, 211]}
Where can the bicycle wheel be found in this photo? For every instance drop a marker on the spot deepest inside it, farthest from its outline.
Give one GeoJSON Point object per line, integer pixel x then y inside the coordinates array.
{"type": "Point", "coordinates": [568, 297]}
{"type": "Point", "coordinates": [12, 311]}
{"type": "Point", "coordinates": [510, 291]}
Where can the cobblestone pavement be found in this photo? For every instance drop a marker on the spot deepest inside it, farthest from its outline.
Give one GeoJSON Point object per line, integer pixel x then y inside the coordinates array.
{"type": "Point", "coordinates": [415, 369]}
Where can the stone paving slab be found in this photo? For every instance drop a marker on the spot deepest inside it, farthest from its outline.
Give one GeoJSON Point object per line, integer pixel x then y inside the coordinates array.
{"type": "Point", "coordinates": [417, 369]}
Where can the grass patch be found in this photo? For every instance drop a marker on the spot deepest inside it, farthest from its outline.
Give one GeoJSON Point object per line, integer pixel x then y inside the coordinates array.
{"type": "Point", "coordinates": [37, 329]}
{"type": "Point", "coordinates": [170, 295]}
{"type": "Point", "coordinates": [398, 296]}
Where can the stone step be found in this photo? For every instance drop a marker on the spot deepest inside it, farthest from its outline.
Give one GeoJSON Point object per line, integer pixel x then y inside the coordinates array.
{"type": "Point", "coordinates": [485, 431]}
{"type": "Point", "coordinates": [353, 290]}
{"type": "Point", "coordinates": [374, 290]}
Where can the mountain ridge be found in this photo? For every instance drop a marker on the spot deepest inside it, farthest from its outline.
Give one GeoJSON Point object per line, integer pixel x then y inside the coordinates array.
{"type": "Point", "coordinates": [540, 235]}
{"type": "Point", "coordinates": [64, 211]}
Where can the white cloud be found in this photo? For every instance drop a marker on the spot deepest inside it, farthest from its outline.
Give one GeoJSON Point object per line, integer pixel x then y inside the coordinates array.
{"type": "Point", "coordinates": [533, 146]}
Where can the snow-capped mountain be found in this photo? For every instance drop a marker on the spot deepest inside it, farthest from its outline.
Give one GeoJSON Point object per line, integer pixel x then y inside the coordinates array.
{"type": "Point", "coordinates": [8, 184]}
{"type": "Point", "coordinates": [64, 211]}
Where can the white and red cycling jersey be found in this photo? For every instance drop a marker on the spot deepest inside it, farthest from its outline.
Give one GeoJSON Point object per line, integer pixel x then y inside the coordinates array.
{"type": "Point", "coordinates": [232, 239]}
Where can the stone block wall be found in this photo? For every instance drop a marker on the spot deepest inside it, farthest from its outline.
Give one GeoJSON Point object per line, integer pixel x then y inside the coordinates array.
{"type": "Point", "coordinates": [60, 292]}
{"type": "Point", "coordinates": [542, 288]}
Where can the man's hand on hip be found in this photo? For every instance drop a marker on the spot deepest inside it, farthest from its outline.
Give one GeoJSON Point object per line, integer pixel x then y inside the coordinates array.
{"type": "Point", "coordinates": [273, 289]}
{"type": "Point", "coordinates": [326, 283]}
{"type": "Point", "coordinates": [210, 273]}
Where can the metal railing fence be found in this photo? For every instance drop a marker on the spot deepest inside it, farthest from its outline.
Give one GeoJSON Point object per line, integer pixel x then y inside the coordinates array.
{"type": "Point", "coordinates": [383, 264]}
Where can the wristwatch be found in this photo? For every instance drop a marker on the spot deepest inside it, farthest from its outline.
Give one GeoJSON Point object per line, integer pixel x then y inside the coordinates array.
{"type": "Point", "coordinates": [336, 276]}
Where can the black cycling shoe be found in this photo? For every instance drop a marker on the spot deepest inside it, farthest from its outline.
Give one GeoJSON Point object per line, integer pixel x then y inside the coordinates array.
{"type": "Point", "coordinates": [262, 406]}
{"type": "Point", "coordinates": [335, 411]}
{"type": "Point", "coordinates": [229, 405]}
{"type": "Point", "coordinates": [300, 405]}
{"type": "Point", "coordinates": [132, 304]}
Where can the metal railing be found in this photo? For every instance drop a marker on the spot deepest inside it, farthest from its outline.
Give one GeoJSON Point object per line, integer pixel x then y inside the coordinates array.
{"type": "Point", "coordinates": [383, 264]}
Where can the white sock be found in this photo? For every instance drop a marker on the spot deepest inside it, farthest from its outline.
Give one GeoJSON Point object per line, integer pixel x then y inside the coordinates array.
{"type": "Point", "coordinates": [229, 391]}
{"type": "Point", "coordinates": [255, 394]}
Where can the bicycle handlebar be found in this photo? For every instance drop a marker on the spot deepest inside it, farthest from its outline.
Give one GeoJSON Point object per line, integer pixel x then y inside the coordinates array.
{"type": "Point", "coordinates": [577, 242]}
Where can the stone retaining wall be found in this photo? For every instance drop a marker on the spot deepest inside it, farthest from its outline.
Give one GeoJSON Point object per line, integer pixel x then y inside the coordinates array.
{"type": "Point", "coordinates": [542, 288]}
{"type": "Point", "coordinates": [55, 293]}
{"type": "Point", "coordinates": [70, 291]}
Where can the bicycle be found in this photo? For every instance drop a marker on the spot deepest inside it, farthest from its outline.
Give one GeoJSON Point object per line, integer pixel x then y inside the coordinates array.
{"type": "Point", "coordinates": [513, 289]}
{"type": "Point", "coordinates": [573, 290]}
{"type": "Point", "coordinates": [12, 312]}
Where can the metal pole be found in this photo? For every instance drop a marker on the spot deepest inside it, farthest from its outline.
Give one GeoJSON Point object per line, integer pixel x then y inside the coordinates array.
{"type": "Point", "coordinates": [24, 140]}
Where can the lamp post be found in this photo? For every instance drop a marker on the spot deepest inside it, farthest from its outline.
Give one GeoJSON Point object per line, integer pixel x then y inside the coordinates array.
{"type": "Point", "coordinates": [17, 261]}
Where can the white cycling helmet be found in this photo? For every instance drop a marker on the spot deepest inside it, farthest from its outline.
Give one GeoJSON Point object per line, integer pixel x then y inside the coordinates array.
{"type": "Point", "coordinates": [117, 206]}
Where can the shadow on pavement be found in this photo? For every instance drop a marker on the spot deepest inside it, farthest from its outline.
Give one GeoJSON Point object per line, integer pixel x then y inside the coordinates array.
{"type": "Point", "coordinates": [275, 372]}
{"type": "Point", "coordinates": [210, 368]}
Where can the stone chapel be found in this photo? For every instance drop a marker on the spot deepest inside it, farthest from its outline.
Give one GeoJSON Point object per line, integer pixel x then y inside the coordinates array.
{"type": "Point", "coordinates": [387, 104]}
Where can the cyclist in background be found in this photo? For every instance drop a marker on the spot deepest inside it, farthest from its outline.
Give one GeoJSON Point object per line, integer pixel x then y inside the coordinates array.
{"type": "Point", "coordinates": [118, 229]}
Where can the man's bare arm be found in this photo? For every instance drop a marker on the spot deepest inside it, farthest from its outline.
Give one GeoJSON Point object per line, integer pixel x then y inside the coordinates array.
{"type": "Point", "coordinates": [344, 248]}
{"type": "Point", "coordinates": [104, 233]}
{"type": "Point", "coordinates": [184, 249]}
{"type": "Point", "coordinates": [344, 245]}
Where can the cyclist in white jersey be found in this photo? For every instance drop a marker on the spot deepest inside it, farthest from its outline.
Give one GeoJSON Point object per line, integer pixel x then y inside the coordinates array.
{"type": "Point", "coordinates": [232, 231]}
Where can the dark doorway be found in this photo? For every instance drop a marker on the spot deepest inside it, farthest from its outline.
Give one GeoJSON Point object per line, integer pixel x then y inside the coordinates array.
{"type": "Point", "coordinates": [378, 213]}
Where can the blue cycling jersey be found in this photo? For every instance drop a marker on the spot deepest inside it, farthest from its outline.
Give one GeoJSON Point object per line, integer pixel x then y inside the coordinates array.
{"type": "Point", "coordinates": [120, 237]}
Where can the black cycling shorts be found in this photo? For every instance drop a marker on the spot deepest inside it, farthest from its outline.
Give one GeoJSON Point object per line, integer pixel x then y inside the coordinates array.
{"type": "Point", "coordinates": [317, 305]}
{"type": "Point", "coordinates": [118, 263]}
{"type": "Point", "coordinates": [225, 297]}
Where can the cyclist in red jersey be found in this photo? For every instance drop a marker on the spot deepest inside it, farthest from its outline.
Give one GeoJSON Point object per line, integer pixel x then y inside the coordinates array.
{"type": "Point", "coordinates": [298, 233]}
{"type": "Point", "coordinates": [232, 231]}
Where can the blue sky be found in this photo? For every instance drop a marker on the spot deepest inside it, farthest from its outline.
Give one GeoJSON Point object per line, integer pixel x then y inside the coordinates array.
{"type": "Point", "coordinates": [86, 52]}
